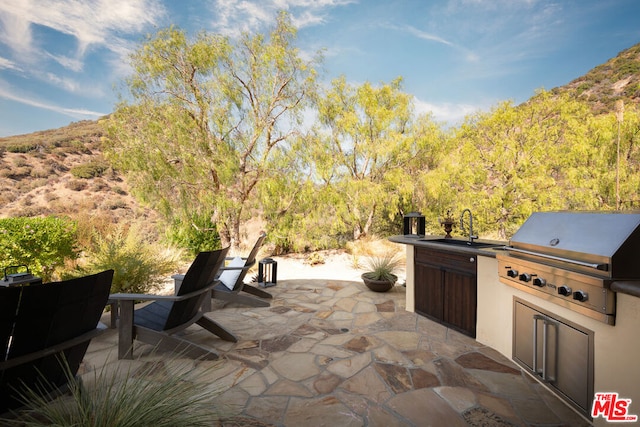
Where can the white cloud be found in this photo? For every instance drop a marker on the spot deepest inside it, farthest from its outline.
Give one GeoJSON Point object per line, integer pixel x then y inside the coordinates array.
{"type": "Point", "coordinates": [236, 16]}
{"type": "Point", "coordinates": [8, 64]}
{"type": "Point", "coordinates": [76, 113]}
{"type": "Point", "coordinates": [89, 22]}
{"type": "Point", "coordinates": [450, 113]}
{"type": "Point", "coordinates": [15, 31]}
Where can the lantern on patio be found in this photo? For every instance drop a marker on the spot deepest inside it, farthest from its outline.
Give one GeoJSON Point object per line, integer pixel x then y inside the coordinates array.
{"type": "Point", "coordinates": [267, 272]}
{"type": "Point", "coordinates": [414, 224]}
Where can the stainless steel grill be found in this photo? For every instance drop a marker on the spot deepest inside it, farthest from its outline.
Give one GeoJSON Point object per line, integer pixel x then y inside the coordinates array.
{"type": "Point", "coordinates": [575, 259]}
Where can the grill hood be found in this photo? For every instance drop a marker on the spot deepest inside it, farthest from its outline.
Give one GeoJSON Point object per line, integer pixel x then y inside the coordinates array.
{"type": "Point", "coordinates": [604, 243]}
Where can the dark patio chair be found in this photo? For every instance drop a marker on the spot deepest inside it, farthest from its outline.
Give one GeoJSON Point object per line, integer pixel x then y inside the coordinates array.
{"type": "Point", "coordinates": [231, 281]}
{"type": "Point", "coordinates": [44, 327]}
{"type": "Point", "coordinates": [157, 322]}
{"type": "Point", "coordinates": [232, 275]}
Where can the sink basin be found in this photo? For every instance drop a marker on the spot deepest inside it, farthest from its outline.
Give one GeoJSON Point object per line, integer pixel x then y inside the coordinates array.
{"type": "Point", "coordinates": [463, 243]}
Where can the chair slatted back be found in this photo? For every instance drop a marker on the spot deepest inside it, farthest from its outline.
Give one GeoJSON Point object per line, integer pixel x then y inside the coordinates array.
{"type": "Point", "coordinates": [198, 276]}
{"type": "Point", "coordinates": [251, 259]}
{"type": "Point", "coordinates": [52, 313]}
{"type": "Point", "coordinates": [9, 298]}
{"type": "Point", "coordinates": [47, 315]}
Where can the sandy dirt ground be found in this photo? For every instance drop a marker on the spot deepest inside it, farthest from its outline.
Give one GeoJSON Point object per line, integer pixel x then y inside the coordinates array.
{"type": "Point", "coordinates": [335, 265]}
{"type": "Point", "coordinates": [332, 265]}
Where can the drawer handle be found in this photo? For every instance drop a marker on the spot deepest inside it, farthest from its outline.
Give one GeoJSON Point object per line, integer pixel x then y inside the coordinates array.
{"type": "Point", "coordinates": [472, 259]}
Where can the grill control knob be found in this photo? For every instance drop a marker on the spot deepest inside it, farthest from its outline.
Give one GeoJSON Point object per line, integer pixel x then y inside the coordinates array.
{"type": "Point", "coordinates": [539, 281]}
{"type": "Point", "coordinates": [512, 273]}
{"type": "Point", "coordinates": [581, 296]}
{"type": "Point", "coordinates": [525, 277]}
{"type": "Point", "coordinates": [565, 290]}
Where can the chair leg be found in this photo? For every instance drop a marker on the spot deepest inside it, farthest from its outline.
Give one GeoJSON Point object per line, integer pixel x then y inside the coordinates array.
{"type": "Point", "coordinates": [256, 291]}
{"type": "Point", "coordinates": [125, 330]}
{"type": "Point", "coordinates": [113, 308]}
{"type": "Point", "coordinates": [216, 329]}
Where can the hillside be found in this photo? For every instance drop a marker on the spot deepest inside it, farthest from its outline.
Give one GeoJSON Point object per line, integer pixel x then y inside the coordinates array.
{"type": "Point", "coordinates": [616, 79]}
{"type": "Point", "coordinates": [63, 171]}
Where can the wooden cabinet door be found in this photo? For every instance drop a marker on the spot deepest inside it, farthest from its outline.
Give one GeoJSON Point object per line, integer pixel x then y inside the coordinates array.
{"type": "Point", "coordinates": [446, 288]}
{"type": "Point", "coordinates": [429, 291]}
{"type": "Point", "coordinates": [460, 302]}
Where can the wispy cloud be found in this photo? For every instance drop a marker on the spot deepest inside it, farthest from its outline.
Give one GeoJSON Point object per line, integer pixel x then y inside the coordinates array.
{"type": "Point", "coordinates": [88, 22]}
{"type": "Point", "coordinates": [14, 30]}
{"type": "Point", "coordinates": [76, 113]}
{"type": "Point", "coordinates": [8, 64]}
{"type": "Point", "coordinates": [35, 36]}
{"type": "Point", "coordinates": [452, 114]}
{"type": "Point", "coordinates": [236, 16]}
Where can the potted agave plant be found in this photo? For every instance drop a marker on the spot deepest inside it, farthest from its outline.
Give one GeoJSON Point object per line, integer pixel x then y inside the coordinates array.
{"type": "Point", "coordinates": [380, 276]}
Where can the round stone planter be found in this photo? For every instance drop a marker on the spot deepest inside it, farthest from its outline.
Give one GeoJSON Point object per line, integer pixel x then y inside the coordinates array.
{"type": "Point", "coordinates": [378, 285]}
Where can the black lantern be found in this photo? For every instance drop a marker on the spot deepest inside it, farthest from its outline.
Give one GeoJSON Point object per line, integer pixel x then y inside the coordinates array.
{"type": "Point", "coordinates": [267, 272]}
{"type": "Point", "coordinates": [414, 224]}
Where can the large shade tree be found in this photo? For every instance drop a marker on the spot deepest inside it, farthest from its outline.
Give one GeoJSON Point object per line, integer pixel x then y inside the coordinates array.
{"type": "Point", "coordinates": [208, 121]}
{"type": "Point", "coordinates": [364, 152]}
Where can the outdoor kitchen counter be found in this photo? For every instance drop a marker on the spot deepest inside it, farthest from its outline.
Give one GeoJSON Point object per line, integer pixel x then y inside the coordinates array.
{"type": "Point", "coordinates": [441, 278]}
{"type": "Point", "coordinates": [434, 242]}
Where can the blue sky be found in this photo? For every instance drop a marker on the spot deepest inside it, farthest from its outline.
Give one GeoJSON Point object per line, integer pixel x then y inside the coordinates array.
{"type": "Point", "coordinates": [62, 60]}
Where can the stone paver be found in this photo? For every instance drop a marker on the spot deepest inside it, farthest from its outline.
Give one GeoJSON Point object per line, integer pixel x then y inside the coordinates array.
{"type": "Point", "coordinates": [333, 353]}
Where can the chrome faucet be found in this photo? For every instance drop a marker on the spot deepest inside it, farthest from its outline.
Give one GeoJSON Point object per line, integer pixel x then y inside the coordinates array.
{"type": "Point", "coordinates": [471, 236]}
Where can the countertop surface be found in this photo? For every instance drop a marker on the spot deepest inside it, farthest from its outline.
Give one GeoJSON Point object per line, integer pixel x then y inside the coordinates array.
{"type": "Point", "coordinates": [488, 248]}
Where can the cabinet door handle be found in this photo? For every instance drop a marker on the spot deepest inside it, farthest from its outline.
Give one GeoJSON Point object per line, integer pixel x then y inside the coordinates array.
{"type": "Point", "coordinates": [536, 318]}
{"type": "Point", "coordinates": [546, 322]}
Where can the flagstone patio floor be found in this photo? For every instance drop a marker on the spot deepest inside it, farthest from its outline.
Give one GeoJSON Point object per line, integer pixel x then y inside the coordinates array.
{"type": "Point", "coordinates": [333, 353]}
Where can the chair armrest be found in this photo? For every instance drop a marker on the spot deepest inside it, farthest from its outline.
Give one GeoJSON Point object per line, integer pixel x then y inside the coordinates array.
{"type": "Point", "coordinates": [246, 267]}
{"type": "Point", "coordinates": [27, 358]}
{"type": "Point", "coordinates": [151, 297]}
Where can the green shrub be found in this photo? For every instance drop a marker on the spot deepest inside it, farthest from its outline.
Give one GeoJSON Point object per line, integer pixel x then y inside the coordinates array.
{"type": "Point", "coordinates": [197, 234]}
{"type": "Point", "coordinates": [140, 266]}
{"type": "Point", "coordinates": [42, 244]}
{"type": "Point", "coordinates": [89, 170]}
{"type": "Point", "coordinates": [23, 147]}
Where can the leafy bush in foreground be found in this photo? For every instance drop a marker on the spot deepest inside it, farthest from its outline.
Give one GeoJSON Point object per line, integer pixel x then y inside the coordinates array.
{"type": "Point", "coordinates": [42, 244]}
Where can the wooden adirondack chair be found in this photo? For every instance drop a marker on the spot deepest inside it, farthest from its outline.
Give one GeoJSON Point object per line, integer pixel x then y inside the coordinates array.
{"type": "Point", "coordinates": [156, 323]}
{"type": "Point", "coordinates": [232, 275]}
{"type": "Point", "coordinates": [45, 326]}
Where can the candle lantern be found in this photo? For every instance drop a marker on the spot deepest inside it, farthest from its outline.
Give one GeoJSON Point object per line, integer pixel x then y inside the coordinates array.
{"type": "Point", "coordinates": [414, 224]}
{"type": "Point", "coordinates": [267, 272]}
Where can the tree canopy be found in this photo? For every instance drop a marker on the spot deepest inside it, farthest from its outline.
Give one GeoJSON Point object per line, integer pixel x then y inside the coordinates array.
{"type": "Point", "coordinates": [216, 131]}
{"type": "Point", "coordinates": [210, 119]}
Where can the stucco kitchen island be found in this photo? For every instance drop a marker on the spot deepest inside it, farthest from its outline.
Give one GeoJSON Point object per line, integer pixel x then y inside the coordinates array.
{"type": "Point", "coordinates": [615, 349]}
